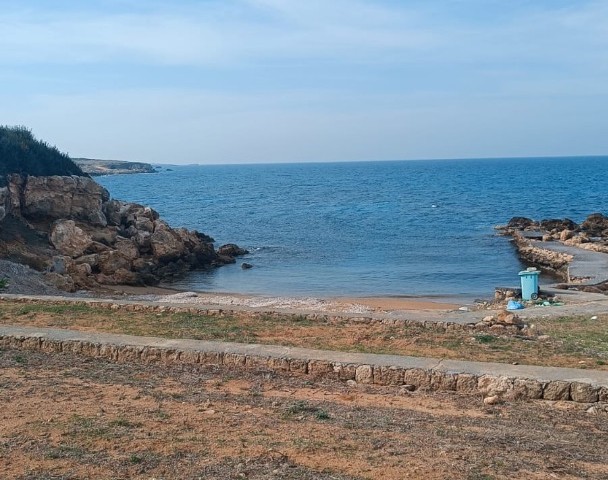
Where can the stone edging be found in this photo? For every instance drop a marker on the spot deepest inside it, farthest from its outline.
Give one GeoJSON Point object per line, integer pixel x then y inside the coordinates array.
{"type": "Point", "coordinates": [487, 379]}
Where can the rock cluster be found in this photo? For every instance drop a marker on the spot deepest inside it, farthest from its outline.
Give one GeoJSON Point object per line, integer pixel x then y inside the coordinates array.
{"type": "Point", "coordinates": [85, 239]}
{"type": "Point", "coordinates": [503, 319]}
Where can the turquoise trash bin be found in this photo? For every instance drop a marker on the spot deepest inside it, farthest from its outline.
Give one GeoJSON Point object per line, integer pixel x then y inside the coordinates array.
{"type": "Point", "coordinates": [529, 283]}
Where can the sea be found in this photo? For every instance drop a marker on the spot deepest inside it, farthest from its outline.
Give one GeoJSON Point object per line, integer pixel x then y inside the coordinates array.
{"type": "Point", "coordinates": [392, 228]}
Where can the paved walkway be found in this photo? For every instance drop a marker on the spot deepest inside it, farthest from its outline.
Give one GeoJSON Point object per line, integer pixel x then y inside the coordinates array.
{"type": "Point", "coordinates": [471, 377]}
{"type": "Point", "coordinates": [586, 264]}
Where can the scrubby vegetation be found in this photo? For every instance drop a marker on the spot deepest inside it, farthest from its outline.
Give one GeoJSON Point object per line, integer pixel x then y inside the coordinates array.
{"type": "Point", "coordinates": [21, 152]}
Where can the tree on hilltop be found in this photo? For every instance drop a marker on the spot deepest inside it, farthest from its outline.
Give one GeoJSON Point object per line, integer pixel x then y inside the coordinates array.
{"type": "Point", "coordinates": [21, 152]}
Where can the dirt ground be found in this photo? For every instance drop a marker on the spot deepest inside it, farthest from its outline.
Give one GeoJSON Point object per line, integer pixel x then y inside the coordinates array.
{"type": "Point", "coordinates": [67, 417]}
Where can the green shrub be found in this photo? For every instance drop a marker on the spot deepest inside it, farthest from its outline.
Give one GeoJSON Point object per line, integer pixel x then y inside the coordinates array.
{"type": "Point", "coordinates": [21, 152]}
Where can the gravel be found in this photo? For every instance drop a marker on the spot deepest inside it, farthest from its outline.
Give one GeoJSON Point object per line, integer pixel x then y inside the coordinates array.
{"type": "Point", "coordinates": [23, 280]}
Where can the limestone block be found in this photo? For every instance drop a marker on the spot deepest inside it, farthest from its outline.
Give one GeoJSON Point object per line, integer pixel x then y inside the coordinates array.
{"type": "Point", "coordinates": [278, 364]}
{"type": "Point", "coordinates": [151, 355]}
{"type": "Point", "coordinates": [490, 385]}
{"type": "Point", "coordinates": [466, 383]}
{"type": "Point", "coordinates": [345, 371]}
{"type": "Point", "coordinates": [603, 394]}
{"type": "Point", "coordinates": [297, 365]}
{"type": "Point", "coordinates": [211, 358]}
{"type": "Point", "coordinates": [388, 375]}
{"type": "Point", "coordinates": [31, 343]}
{"type": "Point", "coordinates": [527, 388]}
{"type": "Point", "coordinates": [189, 357]}
{"type": "Point", "coordinates": [418, 377]}
{"type": "Point", "coordinates": [320, 368]}
{"type": "Point", "coordinates": [443, 381]}
{"type": "Point", "coordinates": [254, 361]}
{"type": "Point", "coordinates": [169, 355]}
{"type": "Point", "coordinates": [50, 346]}
{"type": "Point", "coordinates": [364, 374]}
{"type": "Point", "coordinates": [583, 392]}
{"type": "Point", "coordinates": [557, 390]}
{"type": "Point", "coordinates": [234, 359]}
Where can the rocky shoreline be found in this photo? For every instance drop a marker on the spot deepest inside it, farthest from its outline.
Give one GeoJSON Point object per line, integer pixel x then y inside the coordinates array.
{"type": "Point", "coordinates": [555, 245]}
{"type": "Point", "coordinates": [70, 228]}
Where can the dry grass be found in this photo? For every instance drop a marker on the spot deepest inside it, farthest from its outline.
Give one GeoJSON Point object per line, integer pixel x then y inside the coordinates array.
{"type": "Point", "coordinates": [68, 417]}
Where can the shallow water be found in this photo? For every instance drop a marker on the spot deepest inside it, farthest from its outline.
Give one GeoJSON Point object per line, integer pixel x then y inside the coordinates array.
{"type": "Point", "coordinates": [374, 228]}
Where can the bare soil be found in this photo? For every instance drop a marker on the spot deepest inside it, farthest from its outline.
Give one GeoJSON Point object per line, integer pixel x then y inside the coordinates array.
{"type": "Point", "coordinates": [67, 417]}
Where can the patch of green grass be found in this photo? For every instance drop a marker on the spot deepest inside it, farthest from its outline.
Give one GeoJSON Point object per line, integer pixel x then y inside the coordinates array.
{"type": "Point", "coordinates": [485, 338]}
{"type": "Point", "coordinates": [65, 451]}
{"type": "Point", "coordinates": [20, 359]}
{"type": "Point", "coordinates": [124, 423]}
{"type": "Point", "coordinates": [322, 415]}
{"type": "Point", "coordinates": [58, 309]}
{"type": "Point", "coordinates": [135, 459]}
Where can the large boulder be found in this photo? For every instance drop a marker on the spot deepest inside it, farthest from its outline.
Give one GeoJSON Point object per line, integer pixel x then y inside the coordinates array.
{"type": "Point", "coordinates": [165, 243]}
{"type": "Point", "coordinates": [521, 223]}
{"type": "Point", "coordinates": [75, 198]}
{"type": "Point", "coordinates": [557, 225]}
{"type": "Point", "coordinates": [596, 225]}
{"type": "Point", "coordinates": [69, 239]}
{"type": "Point", "coordinates": [232, 250]}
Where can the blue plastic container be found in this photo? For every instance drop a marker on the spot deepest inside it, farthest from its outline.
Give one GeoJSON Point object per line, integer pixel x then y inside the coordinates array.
{"type": "Point", "coordinates": [529, 283]}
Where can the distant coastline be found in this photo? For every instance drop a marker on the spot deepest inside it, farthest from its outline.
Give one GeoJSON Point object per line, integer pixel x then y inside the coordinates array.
{"type": "Point", "coordinates": [96, 167]}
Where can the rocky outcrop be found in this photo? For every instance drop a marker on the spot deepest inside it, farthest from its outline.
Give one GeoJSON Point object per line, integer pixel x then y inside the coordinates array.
{"type": "Point", "coordinates": [92, 240]}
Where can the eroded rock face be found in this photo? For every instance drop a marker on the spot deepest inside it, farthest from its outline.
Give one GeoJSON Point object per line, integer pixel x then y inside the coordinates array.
{"type": "Point", "coordinates": [75, 198]}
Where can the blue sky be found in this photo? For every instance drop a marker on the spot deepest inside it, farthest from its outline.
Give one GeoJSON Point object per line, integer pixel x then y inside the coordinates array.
{"type": "Point", "coordinates": [239, 81]}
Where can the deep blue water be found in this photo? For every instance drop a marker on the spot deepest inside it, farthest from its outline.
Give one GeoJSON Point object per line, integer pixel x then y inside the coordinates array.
{"type": "Point", "coordinates": [373, 228]}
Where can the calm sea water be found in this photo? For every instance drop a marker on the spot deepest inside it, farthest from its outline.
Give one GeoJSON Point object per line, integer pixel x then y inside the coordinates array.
{"type": "Point", "coordinates": [379, 228]}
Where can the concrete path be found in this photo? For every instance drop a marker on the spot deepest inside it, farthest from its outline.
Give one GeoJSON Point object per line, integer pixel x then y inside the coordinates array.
{"type": "Point", "coordinates": [516, 381]}
{"type": "Point", "coordinates": [587, 264]}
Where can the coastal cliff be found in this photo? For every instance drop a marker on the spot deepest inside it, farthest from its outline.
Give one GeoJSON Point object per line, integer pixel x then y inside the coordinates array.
{"type": "Point", "coordinates": [66, 225]}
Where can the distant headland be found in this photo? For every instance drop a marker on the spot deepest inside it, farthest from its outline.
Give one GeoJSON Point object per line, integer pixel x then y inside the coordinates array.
{"type": "Point", "coordinates": [96, 167]}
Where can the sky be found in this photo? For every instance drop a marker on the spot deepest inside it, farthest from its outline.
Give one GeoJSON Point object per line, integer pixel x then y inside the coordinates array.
{"type": "Point", "coordinates": [257, 81]}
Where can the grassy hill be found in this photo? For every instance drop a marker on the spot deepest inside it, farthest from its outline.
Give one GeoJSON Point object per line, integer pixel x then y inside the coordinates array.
{"type": "Point", "coordinates": [21, 152]}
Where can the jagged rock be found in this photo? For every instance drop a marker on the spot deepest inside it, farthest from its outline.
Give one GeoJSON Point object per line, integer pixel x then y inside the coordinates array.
{"type": "Point", "coordinates": [61, 264]}
{"type": "Point", "coordinates": [521, 223]}
{"type": "Point", "coordinates": [62, 282]}
{"type": "Point", "coordinates": [127, 248]}
{"type": "Point", "coordinates": [166, 244]}
{"type": "Point", "coordinates": [566, 235]}
{"type": "Point", "coordinates": [558, 224]}
{"type": "Point", "coordinates": [69, 239]}
{"type": "Point", "coordinates": [232, 250]}
{"type": "Point", "coordinates": [111, 261]}
{"type": "Point", "coordinates": [246, 266]}
{"type": "Point", "coordinates": [107, 235]}
{"type": "Point", "coordinates": [127, 214]}
{"type": "Point", "coordinates": [596, 225]}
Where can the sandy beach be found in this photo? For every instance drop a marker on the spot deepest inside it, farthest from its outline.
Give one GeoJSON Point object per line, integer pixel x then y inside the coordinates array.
{"type": "Point", "coordinates": [337, 304]}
